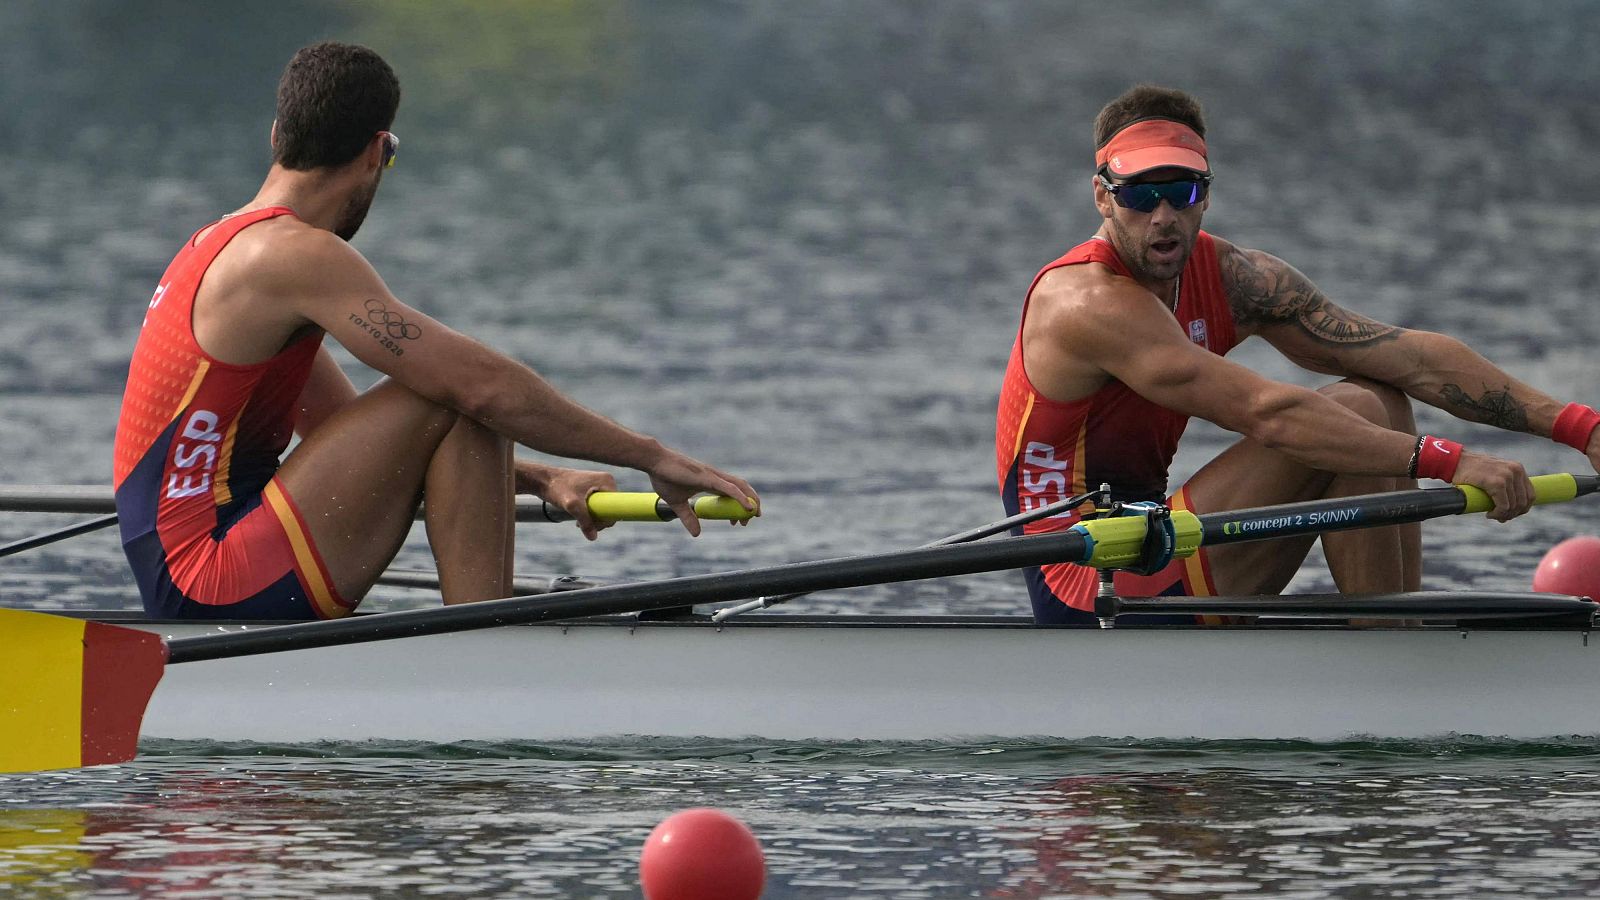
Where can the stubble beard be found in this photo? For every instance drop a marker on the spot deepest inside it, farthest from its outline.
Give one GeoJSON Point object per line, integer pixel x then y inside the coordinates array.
{"type": "Point", "coordinates": [1135, 252]}
{"type": "Point", "coordinates": [355, 210]}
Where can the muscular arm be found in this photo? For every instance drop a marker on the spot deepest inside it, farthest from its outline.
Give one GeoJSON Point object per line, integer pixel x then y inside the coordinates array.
{"type": "Point", "coordinates": [334, 287]}
{"type": "Point", "coordinates": [1271, 298]}
{"type": "Point", "coordinates": [1111, 325]}
{"type": "Point", "coordinates": [326, 283]}
{"type": "Point", "coordinates": [1124, 331]}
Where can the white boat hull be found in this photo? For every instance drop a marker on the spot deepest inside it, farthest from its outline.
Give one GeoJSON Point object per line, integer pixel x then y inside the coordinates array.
{"type": "Point", "coordinates": [935, 680]}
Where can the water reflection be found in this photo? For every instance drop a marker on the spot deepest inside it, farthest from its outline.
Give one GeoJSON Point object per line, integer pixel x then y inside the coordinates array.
{"type": "Point", "coordinates": [40, 849]}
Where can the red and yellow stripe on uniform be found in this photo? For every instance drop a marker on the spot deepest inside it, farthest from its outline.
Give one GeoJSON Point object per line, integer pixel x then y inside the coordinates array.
{"type": "Point", "coordinates": [72, 693]}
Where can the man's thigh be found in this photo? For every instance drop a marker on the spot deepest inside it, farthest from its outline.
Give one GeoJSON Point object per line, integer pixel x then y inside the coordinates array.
{"type": "Point", "coordinates": [1244, 476]}
{"type": "Point", "coordinates": [357, 480]}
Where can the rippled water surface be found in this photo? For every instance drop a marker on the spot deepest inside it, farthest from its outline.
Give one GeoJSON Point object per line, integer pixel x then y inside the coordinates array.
{"type": "Point", "coordinates": [1461, 819]}
{"type": "Point", "coordinates": [792, 238]}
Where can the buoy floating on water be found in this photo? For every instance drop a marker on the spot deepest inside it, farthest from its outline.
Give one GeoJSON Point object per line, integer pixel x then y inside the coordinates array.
{"type": "Point", "coordinates": [702, 854]}
{"type": "Point", "coordinates": [1571, 567]}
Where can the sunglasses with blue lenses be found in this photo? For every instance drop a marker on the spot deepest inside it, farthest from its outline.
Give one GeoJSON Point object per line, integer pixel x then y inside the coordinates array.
{"type": "Point", "coordinates": [1145, 196]}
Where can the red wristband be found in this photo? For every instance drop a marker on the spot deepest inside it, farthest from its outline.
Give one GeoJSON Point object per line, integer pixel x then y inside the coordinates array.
{"type": "Point", "coordinates": [1438, 458]}
{"type": "Point", "coordinates": [1574, 426]}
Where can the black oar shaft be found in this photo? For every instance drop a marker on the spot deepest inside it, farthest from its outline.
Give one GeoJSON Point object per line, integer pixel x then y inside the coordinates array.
{"type": "Point", "coordinates": [1344, 513]}
{"type": "Point", "coordinates": [60, 534]}
{"type": "Point", "coordinates": [828, 574]}
{"type": "Point", "coordinates": [960, 537]}
{"type": "Point", "coordinates": [1319, 516]}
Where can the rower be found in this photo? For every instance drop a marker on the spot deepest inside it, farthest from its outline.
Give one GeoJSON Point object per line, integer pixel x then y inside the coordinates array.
{"type": "Point", "coordinates": [1123, 339]}
{"type": "Point", "coordinates": [231, 362]}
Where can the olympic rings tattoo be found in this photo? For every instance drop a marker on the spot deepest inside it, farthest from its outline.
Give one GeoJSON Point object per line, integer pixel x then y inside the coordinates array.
{"type": "Point", "coordinates": [386, 326]}
{"type": "Point", "coordinates": [398, 328]}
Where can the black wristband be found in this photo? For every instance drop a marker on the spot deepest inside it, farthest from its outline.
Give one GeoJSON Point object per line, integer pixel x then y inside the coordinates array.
{"type": "Point", "coordinates": [1416, 454]}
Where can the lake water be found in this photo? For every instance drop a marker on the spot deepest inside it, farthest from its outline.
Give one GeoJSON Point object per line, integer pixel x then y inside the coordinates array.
{"type": "Point", "coordinates": [792, 239]}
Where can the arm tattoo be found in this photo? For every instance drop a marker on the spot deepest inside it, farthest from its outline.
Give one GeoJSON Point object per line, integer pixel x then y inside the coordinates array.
{"type": "Point", "coordinates": [1276, 295]}
{"type": "Point", "coordinates": [1497, 408]}
{"type": "Point", "coordinates": [386, 326]}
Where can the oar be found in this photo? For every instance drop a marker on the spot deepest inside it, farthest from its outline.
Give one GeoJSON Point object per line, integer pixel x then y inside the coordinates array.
{"type": "Point", "coordinates": [1262, 523]}
{"type": "Point", "coordinates": [60, 534]}
{"type": "Point", "coordinates": [1376, 510]}
{"type": "Point", "coordinates": [609, 506]}
{"type": "Point", "coordinates": [961, 537]}
{"type": "Point", "coordinates": [1117, 543]}
{"type": "Point", "coordinates": [74, 692]}
{"type": "Point", "coordinates": [1336, 514]}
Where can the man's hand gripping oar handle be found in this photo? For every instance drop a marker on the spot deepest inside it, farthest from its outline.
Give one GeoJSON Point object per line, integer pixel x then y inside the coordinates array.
{"type": "Point", "coordinates": [1557, 488]}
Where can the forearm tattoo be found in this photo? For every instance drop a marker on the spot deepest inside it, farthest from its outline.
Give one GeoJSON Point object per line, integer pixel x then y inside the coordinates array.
{"type": "Point", "coordinates": [1275, 295]}
{"type": "Point", "coordinates": [1497, 408]}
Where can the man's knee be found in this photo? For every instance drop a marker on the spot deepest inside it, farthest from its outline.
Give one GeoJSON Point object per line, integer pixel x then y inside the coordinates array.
{"type": "Point", "coordinates": [1378, 403]}
{"type": "Point", "coordinates": [404, 404]}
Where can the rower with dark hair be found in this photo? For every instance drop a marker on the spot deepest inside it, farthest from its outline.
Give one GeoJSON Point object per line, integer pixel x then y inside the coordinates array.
{"type": "Point", "coordinates": [1123, 339]}
{"type": "Point", "coordinates": [230, 364]}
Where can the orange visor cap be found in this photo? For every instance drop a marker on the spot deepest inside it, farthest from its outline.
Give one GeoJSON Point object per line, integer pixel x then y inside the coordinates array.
{"type": "Point", "coordinates": [1153, 144]}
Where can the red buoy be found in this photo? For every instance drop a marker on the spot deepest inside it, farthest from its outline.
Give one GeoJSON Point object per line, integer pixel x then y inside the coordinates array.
{"type": "Point", "coordinates": [702, 854]}
{"type": "Point", "coordinates": [1571, 567]}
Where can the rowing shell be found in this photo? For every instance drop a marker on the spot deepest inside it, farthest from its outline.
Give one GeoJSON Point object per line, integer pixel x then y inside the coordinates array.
{"type": "Point", "coordinates": [795, 678]}
{"type": "Point", "coordinates": [75, 692]}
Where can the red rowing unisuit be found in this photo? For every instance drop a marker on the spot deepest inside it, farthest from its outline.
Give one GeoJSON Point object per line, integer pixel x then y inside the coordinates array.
{"type": "Point", "coordinates": [1046, 450]}
{"type": "Point", "coordinates": [207, 526]}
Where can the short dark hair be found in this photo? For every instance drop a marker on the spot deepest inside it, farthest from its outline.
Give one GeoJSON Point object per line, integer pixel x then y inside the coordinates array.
{"type": "Point", "coordinates": [1147, 101]}
{"type": "Point", "coordinates": [332, 99]}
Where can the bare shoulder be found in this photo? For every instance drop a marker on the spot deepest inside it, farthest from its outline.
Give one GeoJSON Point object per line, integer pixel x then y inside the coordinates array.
{"type": "Point", "coordinates": [272, 281]}
{"type": "Point", "coordinates": [1090, 304]}
{"type": "Point", "coordinates": [1267, 294]}
{"type": "Point", "coordinates": [289, 256]}
{"type": "Point", "coordinates": [1084, 322]}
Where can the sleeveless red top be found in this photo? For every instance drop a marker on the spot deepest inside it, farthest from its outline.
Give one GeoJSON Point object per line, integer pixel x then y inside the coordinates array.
{"type": "Point", "coordinates": [196, 434]}
{"type": "Point", "coordinates": [1047, 450]}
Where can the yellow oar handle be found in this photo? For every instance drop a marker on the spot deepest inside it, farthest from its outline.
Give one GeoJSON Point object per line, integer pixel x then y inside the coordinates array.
{"type": "Point", "coordinates": [1556, 488]}
{"type": "Point", "coordinates": [625, 506]}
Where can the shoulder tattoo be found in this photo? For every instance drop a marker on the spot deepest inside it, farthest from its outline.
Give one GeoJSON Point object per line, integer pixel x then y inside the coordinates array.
{"type": "Point", "coordinates": [1263, 294]}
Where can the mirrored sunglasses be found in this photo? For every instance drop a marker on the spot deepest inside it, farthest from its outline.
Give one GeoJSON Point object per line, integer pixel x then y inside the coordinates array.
{"type": "Point", "coordinates": [1145, 196]}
